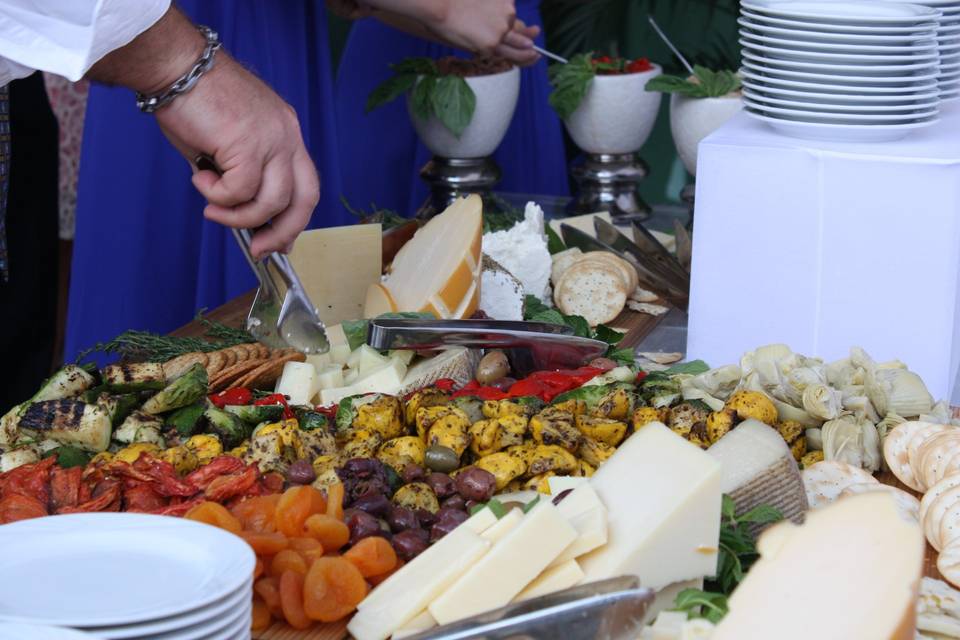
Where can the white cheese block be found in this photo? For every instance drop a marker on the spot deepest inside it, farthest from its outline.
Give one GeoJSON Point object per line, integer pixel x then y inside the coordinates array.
{"type": "Point", "coordinates": [522, 250]}
{"type": "Point", "coordinates": [663, 499]}
{"type": "Point", "coordinates": [319, 360]}
{"type": "Point", "coordinates": [335, 394]}
{"type": "Point", "coordinates": [298, 382]}
{"type": "Point", "coordinates": [353, 362]}
{"type": "Point", "coordinates": [591, 529]}
{"type": "Point", "coordinates": [583, 223]}
{"type": "Point", "coordinates": [553, 579]}
{"type": "Point", "coordinates": [501, 294]}
{"type": "Point", "coordinates": [513, 563]}
{"type": "Point", "coordinates": [583, 498]}
{"type": "Point", "coordinates": [350, 376]}
{"type": "Point", "coordinates": [406, 593]}
{"type": "Point", "coordinates": [336, 336]}
{"type": "Point", "coordinates": [386, 378]}
{"type": "Point", "coordinates": [339, 354]}
{"type": "Point", "coordinates": [758, 468]}
{"type": "Point", "coordinates": [370, 359]}
{"type": "Point", "coordinates": [330, 376]}
{"type": "Point", "coordinates": [559, 484]}
{"type": "Point", "coordinates": [423, 622]}
{"type": "Point", "coordinates": [405, 356]}
{"type": "Point", "coordinates": [456, 363]}
{"type": "Point", "coordinates": [504, 525]}
{"type": "Point", "coordinates": [861, 584]}
{"type": "Point", "coordinates": [480, 521]}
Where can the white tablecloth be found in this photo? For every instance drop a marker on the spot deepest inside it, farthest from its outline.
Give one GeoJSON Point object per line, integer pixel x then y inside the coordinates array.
{"type": "Point", "coordinates": [826, 245]}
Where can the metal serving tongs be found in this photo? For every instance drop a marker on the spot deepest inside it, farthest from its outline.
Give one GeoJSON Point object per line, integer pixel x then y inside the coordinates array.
{"type": "Point", "coordinates": [611, 609]}
{"type": "Point", "coordinates": [530, 346]}
{"type": "Point", "coordinates": [294, 321]}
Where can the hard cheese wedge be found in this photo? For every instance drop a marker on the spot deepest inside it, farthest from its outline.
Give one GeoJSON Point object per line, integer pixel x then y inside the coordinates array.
{"type": "Point", "coordinates": [513, 563]}
{"type": "Point", "coordinates": [298, 382]}
{"type": "Point", "coordinates": [861, 584]}
{"type": "Point", "coordinates": [421, 623]}
{"type": "Point", "coordinates": [379, 301]}
{"type": "Point", "coordinates": [438, 270]}
{"type": "Point", "coordinates": [662, 495]}
{"type": "Point", "coordinates": [758, 468]}
{"type": "Point", "coordinates": [556, 578]}
{"type": "Point", "coordinates": [583, 509]}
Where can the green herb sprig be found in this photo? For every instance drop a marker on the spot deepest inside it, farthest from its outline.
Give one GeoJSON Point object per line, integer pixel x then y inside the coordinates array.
{"type": "Point", "coordinates": [704, 83]}
{"type": "Point", "coordinates": [448, 97]}
{"type": "Point", "coordinates": [387, 218]}
{"type": "Point", "coordinates": [536, 311]}
{"type": "Point", "coordinates": [571, 82]}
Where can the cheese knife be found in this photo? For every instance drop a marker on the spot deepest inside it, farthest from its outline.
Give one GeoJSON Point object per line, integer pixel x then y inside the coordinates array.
{"type": "Point", "coordinates": [647, 247]}
{"type": "Point", "coordinates": [650, 274]}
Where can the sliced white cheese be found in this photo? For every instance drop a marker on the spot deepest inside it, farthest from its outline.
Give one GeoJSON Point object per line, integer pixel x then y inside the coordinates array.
{"type": "Point", "coordinates": [663, 499]}
{"type": "Point", "coordinates": [504, 525]}
{"type": "Point", "coordinates": [406, 593]}
{"type": "Point", "coordinates": [557, 578]}
{"type": "Point", "coordinates": [421, 623]}
{"type": "Point", "coordinates": [370, 359]}
{"type": "Point", "coordinates": [559, 484]}
{"type": "Point", "coordinates": [339, 354]}
{"type": "Point", "coordinates": [480, 521]}
{"type": "Point", "coordinates": [350, 376]}
{"type": "Point", "coordinates": [582, 499]}
{"type": "Point", "coordinates": [319, 360]}
{"type": "Point", "coordinates": [298, 382]}
{"type": "Point", "coordinates": [336, 336]}
{"type": "Point", "coordinates": [591, 529]}
{"type": "Point", "coordinates": [513, 563]}
{"type": "Point", "coordinates": [878, 558]}
{"type": "Point", "coordinates": [353, 362]}
{"type": "Point", "coordinates": [330, 377]}
{"type": "Point", "coordinates": [386, 378]}
{"type": "Point", "coordinates": [403, 355]}
{"type": "Point", "coordinates": [335, 395]}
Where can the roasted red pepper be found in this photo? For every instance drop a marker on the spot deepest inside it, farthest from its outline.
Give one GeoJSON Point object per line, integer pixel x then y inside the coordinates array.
{"type": "Point", "coordinates": [445, 384]}
{"type": "Point", "coordinates": [237, 396]}
{"type": "Point", "coordinates": [545, 385]}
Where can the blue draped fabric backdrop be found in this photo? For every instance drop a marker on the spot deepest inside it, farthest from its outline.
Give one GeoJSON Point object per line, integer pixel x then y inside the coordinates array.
{"type": "Point", "coordinates": [144, 257]}
{"type": "Point", "coordinates": [380, 155]}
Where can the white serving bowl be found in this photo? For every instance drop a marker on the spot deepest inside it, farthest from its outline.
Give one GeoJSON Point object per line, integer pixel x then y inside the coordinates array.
{"type": "Point", "coordinates": [617, 114]}
{"type": "Point", "coordinates": [693, 119]}
{"type": "Point", "coordinates": [496, 101]}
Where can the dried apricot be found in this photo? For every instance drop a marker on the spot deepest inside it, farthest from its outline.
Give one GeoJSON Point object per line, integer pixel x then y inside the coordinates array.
{"type": "Point", "coordinates": [258, 569]}
{"type": "Point", "coordinates": [309, 548]}
{"type": "Point", "coordinates": [380, 577]}
{"type": "Point", "coordinates": [335, 501]}
{"type": "Point", "coordinates": [331, 533]}
{"type": "Point", "coordinates": [332, 589]}
{"type": "Point", "coordinates": [215, 514]}
{"type": "Point", "coordinates": [265, 544]}
{"type": "Point", "coordinates": [261, 615]}
{"type": "Point", "coordinates": [257, 513]}
{"type": "Point", "coordinates": [287, 560]}
{"type": "Point", "coordinates": [372, 556]}
{"type": "Point", "coordinates": [291, 600]}
{"type": "Point", "coordinates": [269, 589]}
{"type": "Point", "coordinates": [295, 506]}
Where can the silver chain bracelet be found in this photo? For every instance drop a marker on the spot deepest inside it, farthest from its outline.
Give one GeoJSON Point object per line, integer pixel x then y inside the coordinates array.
{"type": "Point", "coordinates": [149, 104]}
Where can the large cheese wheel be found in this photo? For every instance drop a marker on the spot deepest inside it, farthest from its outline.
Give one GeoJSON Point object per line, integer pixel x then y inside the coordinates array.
{"type": "Point", "coordinates": [852, 570]}
{"type": "Point", "coordinates": [438, 270]}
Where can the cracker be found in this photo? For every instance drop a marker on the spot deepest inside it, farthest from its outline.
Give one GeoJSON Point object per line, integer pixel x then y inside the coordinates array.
{"type": "Point", "coordinates": [627, 268]}
{"type": "Point", "coordinates": [948, 564]}
{"type": "Point", "coordinates": [935, 492]}
{"type": "Point", "coordinates": [593, 291]}
{"type": "Point", "coordinates": [895, 452]}
{"type": "Point", "coordinates": [229, 357]}
{"type": "Point", "coordinates": [949, 530]}
{"type": "Point", "coordinates": [228, 376]}
{"type": "Point", "coordinates": [563, 261]}
{"type": "Point", "coordinates": [267, 373]}
{"type": "Point", "coordinates": [642, 295]}
{"type": "Point", "coordinates": [173, 369]}
{"type": "Point", "coordinates": [646, 307]}
{"type": "Point", "coordinates": [935, 512]}
{"type": "Point", "coordinates": [934, 455]}
{"type": "Point", "coordinates": [215, 360]}
{"type": "Point", "coordinates": [263, 351]}
{"type": "Point", "coordinates": [826, 480]}
{"type": "Point", "coordinates": [907, 505]}
{"type": "Point", "coordinates": [920, 437]}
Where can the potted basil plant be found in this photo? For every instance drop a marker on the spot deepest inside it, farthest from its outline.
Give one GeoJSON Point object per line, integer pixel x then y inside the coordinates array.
{"type": "Point", "coordinates": [603, 103]}
{"type": "Point", "coordinates": [699, 104]}
{"type": "Point", "coordinates": [460, 108]}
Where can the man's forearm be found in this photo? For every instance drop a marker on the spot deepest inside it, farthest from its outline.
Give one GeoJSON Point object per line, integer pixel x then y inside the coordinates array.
{"type": "Point", "coordinates": [155, 58]}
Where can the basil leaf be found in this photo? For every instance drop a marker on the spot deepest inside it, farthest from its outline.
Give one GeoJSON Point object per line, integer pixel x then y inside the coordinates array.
{"type": "Point", "coordinates": [701, 604]}
{"type": "Point", "coordinates": [728, 509]}
{"type": "Point", "coordinates": [554, 243]}
{"type": "Point", "coordinates": [389, 90]}
{"type": "Point", "coordinates": [579, 324]}
{"type": "Point", "coordinates": [570, 83]}
{"type": "Point", "coordinates": [453, 103]}
{"type": "Point", "coordinates": [607, 334]}
{"type": "Point", "coordinates": [532, 306]}
{"type": "Point", "coordinates": [761, 514]}
{"type": "Point", "coordinates": [623, 357]}
{"type": "Point", "coordinates": [421, 98]}
{"type": "Point", "coordinates": [550, 316]}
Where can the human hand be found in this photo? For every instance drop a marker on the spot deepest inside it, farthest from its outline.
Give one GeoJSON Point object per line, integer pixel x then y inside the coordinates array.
{"type": "Point", "coordinates": [475, 25]}
{"type": "Point", "coordinates": [255, 139]}
{"type": "Point", "coordinates": [517, 45]}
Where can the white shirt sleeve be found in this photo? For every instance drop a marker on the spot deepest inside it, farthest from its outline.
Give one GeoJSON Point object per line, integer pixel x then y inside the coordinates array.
{"type": "Point", "coordinates": [67, 37]}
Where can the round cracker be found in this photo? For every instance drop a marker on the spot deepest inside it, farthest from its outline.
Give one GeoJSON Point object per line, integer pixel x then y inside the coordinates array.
{"type": "Point", "coordinates": [228, 376]}
{"type": "Point", "coordinates": [173, 369]}
{"type": "Point", "coordinates": [949, 530]}
{"type": "Point", "coordinates": [595, 292]}
{"type": "Point", "coordinates": [935, 454]}
{"type": "Point", "coordinates": [633, 280]}
{"type": "Point", "coordinates": [563, 261]}
{"type": "Point", "coordinates": [920, 437]}
{"type": "Point", "coordinates": [935, 492]}
{"type": "Point", "coordinates": [948, 564]}
{"type": "Point", "coordinates": [229, 357]}
{"type": "Point", "coordinates": [934, 514]}
{"type": "Point", "coordinates": [907, 505]}
{"type": "Point", "coordinates": [263, 350]}
{"type": "Point", "coordinates": [895, 452]}
{"type": "Point", "coordinates": [826, 480]}
{"type": "Point", "coordinates": [240, 352]}
{"type": "Point", "coordinates": [951, 468]}
{"type": "Point", "coordinates": [215, 360]}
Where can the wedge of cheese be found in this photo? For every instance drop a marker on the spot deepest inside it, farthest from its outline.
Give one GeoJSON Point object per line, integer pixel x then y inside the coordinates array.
{"type": "Point", "coordinates": [421, 623]}
{"type": "Point", "coordinates": [663, 500]}
{"type": "Point", "coordinates": [298, 382]}
{"type": "Point", "coordinates": [438, 270]}
{"type": "Point", "coordinates": [758, 468]}
{"type": "Point", "coordinates": [512, 564]}
{"type": "Point", "coordinates": [556, 578]}
{"type": "Point", "coordinates": [583, 509]}
{"type": "Point", "coordinates": [853, 568]}
{"type": "Point", "coordinates": [379, 301]}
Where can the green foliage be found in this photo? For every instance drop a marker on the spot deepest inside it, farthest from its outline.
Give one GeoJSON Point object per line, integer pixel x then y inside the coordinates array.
{"type": "Point", "coordinates": [387, 218]}
{"type": "Point", "coordinates": [356, 330]}
{"type": "Point", "coordinates": [701, 604]}
{"type": "Point", "coordinates": [571, 83]}
{"type": "Point", "coordinates": [694, 367]}
{"type": "Point", "coordinates": [535, 311]}
{"type": "Point", "coordinates": [554, 242]}
{"type": "Point", "coordinates": [448, 97]}
{"type": "Point", "coordinates": [704, 84]}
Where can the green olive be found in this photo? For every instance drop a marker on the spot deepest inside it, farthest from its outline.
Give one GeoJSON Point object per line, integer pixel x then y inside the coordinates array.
{"type": "Point", "coordinates": [441, 458]}
{"type": "Point", "coordinates": [492, 366]}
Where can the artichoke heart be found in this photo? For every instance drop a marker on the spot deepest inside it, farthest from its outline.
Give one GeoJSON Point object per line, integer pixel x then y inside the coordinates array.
{"type": "Point", "coordinates": [899, 391]}
{"type": "Point", "coordinates": [852, 440]}
{"type": "Point", "coordinates": [822, 402]}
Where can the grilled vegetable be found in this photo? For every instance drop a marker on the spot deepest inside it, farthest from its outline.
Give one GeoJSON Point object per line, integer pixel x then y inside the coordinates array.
{"type": "Point", "coordinates": [68, 456]}
{"type": "Point", "coordinates": [68, 382]}
{"type": "Point", "coordinates": [310, 420]}
{"type": "Point", "coordinates": [471, 406]}
{"type": "Point", "coordinates": [140, 376]}
{"type": "Point", "coordinates": [140, 427]}
{"type": "Point", "coordinates": [186, 420]}
{"type": "Point", "coordinates": [399, 452]}
{"type": "Point", "coordinates": [719, 423]}
{"type": "Point", "coordinates": [313, 443]}
{"type": "Point", "coordinates": [230, 428]}
{"type": "Point", "coordinates": [417, 495]}
{"type": "Point", "coordinates": [616, 403]}
{"type": "Point", "coordinates": [119, 407]}
{"type": "Point", "coordinates": [594, 453]}
{"type": "Point", "coordinates": [205, 446]}
{"type": "Point", "coordinates": [573, 406]}
{"type": "Point", "coordinates": [605, 430]}
{"type": "Point", "coordinates": [183, 459]}
{"type": "Point", "coordinates": [643, 416]}
{"type": "Point", "coordinates": [512, 407]}
{"type": "Point", "coordinates": [550, 457]}
{"type": "Point", "coordinates": [592, 395]}
{"type": "Point", "coordinates": [584, 469]}
{"type": "Point", "coordinates": [10, 424]}
{"type": "Point", "coordinates": [363, 444]}
{"type": "Point", "coordinates": [183, 391]}
{"type": "Point", "coordinates": [383, 415]}
{"type": "Point", "coordinates": [70, 422]}
{"type": "Point", "coordinates": [132, 453]}
{"type": "Point", "coordinates": [429, 397]}
{"type": "Point", "coordinates": [18, 457]}
{"type": "Point", "coordinates": [752, 404]}
{"type": "Point", "coordinates": [450, 430]}
{"type": "Point", "coordinates": [539, 483]}
{"type": "Point", "coordinates": [554, 426]}
{"type": "Point", "coordinates": [685, 415]}
{"type": "Point", "coordinates": [485, 437]}
{"type": "Point", "coordinates": [503, 466]}
{"type": "Point", "coordinates": [347, 410]}
{"type": "Point", "coordinates": [254, 414]}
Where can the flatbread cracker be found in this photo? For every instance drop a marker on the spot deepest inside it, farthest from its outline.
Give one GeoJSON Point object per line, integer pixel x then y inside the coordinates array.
{"type": "Point", "coordinates": [173, 369]}
{"type": "Point", "coordinates": [229, 357]}
{"type": "Point", "coordinates": [627, 268]}
{"type": "Point", "coordinates": [263, 351]}
{"type": "Point", "coordinates": [593, 291]}
{"type": "Point", "coordinates": [646, 307]}
{"type": "Point", "coordinates": [228, 376]}
{"type": "Point", "coordinates": [826, 480]}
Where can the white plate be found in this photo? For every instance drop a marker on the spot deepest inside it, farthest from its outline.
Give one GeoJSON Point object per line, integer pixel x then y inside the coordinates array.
{"type": "Point", "coordinates": [806, 105]}
{"type": "Point", "coordinates": [858, 13]}
{"type": "Point", "coordinates": [111, 569]}
{"type": "Point", "coordinates": [842, 88]}
{"type": "Point", "coordinates": [206, 614]}
{"type": "Point", "coordinates": [778, 53]}
{"type": "Point", "coordinates": [803, 35]}
{"type": "Point", "coordinates": [241, 629]}
{"type": "Point", "coordinates": [841, 79]}
{"type": "Point", "coordinates": [842, 132]}
{"type": "Point", "coordinates": [842, 48]}
{"type": "Point", "coordinates": [839, 68]}
{"type": "Point", "coordinates": [922, 27]}
{"type": "Point", "coordinates": [21, 631]}
{"type": "Point", "coordinates": [841, 98]}
{"type": "Point", "coordinates": [211, 628]}
{"type": "Point", "coordinates": [808, 115]}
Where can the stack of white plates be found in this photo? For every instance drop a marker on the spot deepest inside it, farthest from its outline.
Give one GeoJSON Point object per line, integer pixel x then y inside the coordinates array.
{"type": "Point", "coordinates": [841, 70]}
{"type": "Point", "coordinates": [124, 575]}
{"type": "Point", "coordinates": [948, 41]}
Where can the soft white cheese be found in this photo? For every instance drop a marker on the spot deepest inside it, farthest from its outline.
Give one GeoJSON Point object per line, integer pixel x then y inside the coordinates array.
{"type": "Point", "coordinates": [501, 294]}
{"type": "Point", "coordinates": [522, 250]}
